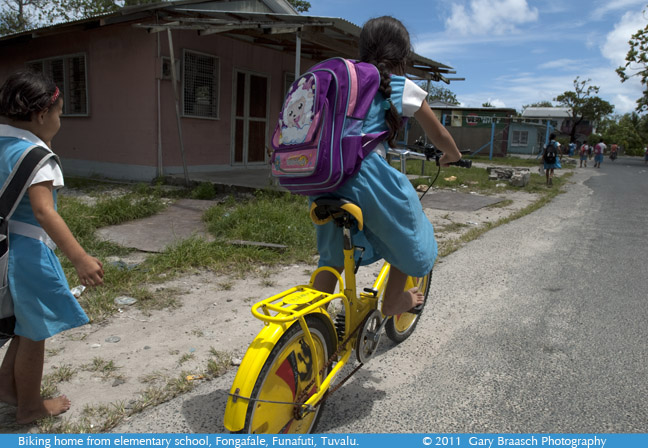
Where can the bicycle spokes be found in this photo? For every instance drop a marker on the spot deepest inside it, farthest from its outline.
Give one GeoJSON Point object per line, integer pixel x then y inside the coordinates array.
{"type": "Point", "coordinates": [284, 388]}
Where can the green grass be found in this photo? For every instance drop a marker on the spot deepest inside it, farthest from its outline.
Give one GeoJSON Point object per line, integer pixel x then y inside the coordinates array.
{"type": "Point", "coordinates": [263, 217]}
{"type": "Point", "coordinates": [506, 161]}
{"type": "Point", "coordinates": [268, 218]}
{"type": "Point", "coordinates": [476, 178]}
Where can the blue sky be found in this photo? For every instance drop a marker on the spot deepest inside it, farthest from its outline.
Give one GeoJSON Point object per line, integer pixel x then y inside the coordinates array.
{"type": "Point", "coordinates": [515, 52]}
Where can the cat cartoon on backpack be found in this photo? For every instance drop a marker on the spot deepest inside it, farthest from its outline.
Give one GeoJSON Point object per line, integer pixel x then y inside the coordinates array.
{"type": "Point", "coordinates": [298, 113]}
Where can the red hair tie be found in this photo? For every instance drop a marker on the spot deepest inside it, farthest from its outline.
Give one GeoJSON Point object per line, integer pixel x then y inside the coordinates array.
{"type": "Point", "coordinates": [55, 96]}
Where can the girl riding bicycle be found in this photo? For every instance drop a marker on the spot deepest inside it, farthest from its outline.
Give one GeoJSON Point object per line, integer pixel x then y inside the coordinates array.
{"type": "Point", "coordinates": [396, 227]}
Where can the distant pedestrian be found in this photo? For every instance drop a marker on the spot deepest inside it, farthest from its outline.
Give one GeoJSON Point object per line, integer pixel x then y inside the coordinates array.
{"type": "Point", "coordinates": [590, 149]}
{"type": "Point", "coordinates": [550, 158]}
{"type": "Point", "coordinates": [583, 155]}
{"type": "Point", "coordinates": [572, 148]}
{"type": "Point", "coordinates": [614, 149]}
{"type": "Point", "coordinates": [599, 151]}
{"type": "Point", "coordinates": [646, 155]}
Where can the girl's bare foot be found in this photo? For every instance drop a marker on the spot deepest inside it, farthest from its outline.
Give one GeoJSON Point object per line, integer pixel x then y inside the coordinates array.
{"type": "Point", "coordinates": [50, 407]}
{"type": "Point", "coordinates": [406, 301]}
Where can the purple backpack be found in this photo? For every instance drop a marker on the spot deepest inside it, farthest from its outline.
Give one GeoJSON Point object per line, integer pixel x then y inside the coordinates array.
{"type": "Point", "coordinates": [318, 142]}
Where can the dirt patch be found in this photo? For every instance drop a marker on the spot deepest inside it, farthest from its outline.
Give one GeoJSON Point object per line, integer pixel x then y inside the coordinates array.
{"type": "Point", "coordinates": [113, 363]}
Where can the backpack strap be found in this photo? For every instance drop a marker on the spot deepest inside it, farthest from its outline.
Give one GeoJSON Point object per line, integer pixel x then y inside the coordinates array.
{"type": "Point", "coordinates": [20, 178]}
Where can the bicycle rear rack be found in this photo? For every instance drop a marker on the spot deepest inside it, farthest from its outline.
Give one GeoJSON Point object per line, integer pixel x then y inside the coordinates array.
{"type": "Point", "coordinates": [292, 304]}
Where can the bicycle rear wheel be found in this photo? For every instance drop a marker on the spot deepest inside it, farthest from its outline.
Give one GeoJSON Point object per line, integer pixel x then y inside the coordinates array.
{"type": "Point", "coordinates": [289, 369]}
{"type": "Point", "coordinates": [401, 326]}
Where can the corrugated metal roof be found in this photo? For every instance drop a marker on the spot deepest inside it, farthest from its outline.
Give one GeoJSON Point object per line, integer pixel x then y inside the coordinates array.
{"type": "Point", "coordinates": [444, 105]}
{"type": "Point", "coordinates": [321, 37]}
{"type": "Point", "coordinates": [547, 112]}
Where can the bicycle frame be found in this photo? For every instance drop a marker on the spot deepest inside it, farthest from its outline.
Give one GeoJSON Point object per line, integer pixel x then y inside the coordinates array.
{"type": "Point", "coordinates": [283, 310]}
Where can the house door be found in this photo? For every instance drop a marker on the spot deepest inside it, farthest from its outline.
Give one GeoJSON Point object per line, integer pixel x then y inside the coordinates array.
{"type": "Point", "coordinates": [250, 123]}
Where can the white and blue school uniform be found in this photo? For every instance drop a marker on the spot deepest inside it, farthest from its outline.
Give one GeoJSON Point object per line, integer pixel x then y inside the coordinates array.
{"type": "Point", "coordinates": [599, 151]}
{"type": "Point", "coordinates": [43, 303]}
{"type": "Point", "coordinates": [551, 166]}
{"type": "Point", "coordinates": [395, 226]}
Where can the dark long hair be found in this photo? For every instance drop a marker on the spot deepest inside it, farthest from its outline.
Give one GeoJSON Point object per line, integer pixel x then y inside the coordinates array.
{"type": "Point", "coordinates": [385, 43]}
{"type": "Point", "coordinates": [24, 93]}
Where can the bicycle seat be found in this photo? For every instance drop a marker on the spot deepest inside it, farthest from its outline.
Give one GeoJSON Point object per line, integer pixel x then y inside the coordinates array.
{"type": "Point", "coordinates": [338, 209]}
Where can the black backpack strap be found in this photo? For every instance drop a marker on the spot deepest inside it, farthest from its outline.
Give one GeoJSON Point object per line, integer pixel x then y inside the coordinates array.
{"type": "Point", "coordinates": [20, 178]}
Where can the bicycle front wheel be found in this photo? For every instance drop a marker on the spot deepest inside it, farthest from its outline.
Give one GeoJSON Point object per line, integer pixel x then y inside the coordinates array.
{"type": "Point", "coordinates": [401, 326]}
{"type": "Point", "coordinates": [289, 369]}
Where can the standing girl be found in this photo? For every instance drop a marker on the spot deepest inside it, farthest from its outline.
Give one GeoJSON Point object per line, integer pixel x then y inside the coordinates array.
{"type": "Point", "coordinates": [43, 303]}
{"type": "Point", "coordinates": [395, 226]}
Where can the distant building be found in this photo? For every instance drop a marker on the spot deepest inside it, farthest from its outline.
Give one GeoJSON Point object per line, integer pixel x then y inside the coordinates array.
{"type": "Point", "coordinates": [530, 131]}
{"type": "Point", "coordinates": [475, 128]}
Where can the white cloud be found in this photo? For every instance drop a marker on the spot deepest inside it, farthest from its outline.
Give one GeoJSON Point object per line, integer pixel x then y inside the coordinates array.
{"type": "Point", "coordinates": [497, 102]}
{"type": "Point", "coordinates": [490, 17]}
{"type": "Point", "coordinates": [623, 104]}
{"type": "Point", "coordinates": [567, 50]}
{"type": "Point", "coordinates": [608, 6]}
{"type": "Point", "coordinates": [614, 49]}
{"type": "Point", "coordinates": [616, 45]}
{"type": "Point", "coordinates": [560, 63]}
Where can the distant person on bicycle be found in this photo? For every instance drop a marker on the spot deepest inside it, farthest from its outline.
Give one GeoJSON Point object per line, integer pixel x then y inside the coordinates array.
{"type": "Point", "coordinates": [395, 226]}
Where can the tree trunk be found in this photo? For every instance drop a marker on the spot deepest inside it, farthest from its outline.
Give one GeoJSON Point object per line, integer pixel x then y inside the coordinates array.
{"type": "Point", "coordinates": [572, 134]}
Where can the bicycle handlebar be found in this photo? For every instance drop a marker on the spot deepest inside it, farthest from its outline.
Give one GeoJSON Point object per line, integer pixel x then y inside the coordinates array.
{"type": "Point", "coordinates": [431, 152]}
{"type": "Point", "coordinates": [463, 163]}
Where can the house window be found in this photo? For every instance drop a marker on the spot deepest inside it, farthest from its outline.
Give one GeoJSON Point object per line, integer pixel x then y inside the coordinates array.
{"type": "Point", "coordinates": [473, 120]}
{"type": "Point", "coordinates": [69, 73]}
{"type": "Point", "coordinates": [201, 85]}
{"type": "Point", "coordinates": [520, 138]}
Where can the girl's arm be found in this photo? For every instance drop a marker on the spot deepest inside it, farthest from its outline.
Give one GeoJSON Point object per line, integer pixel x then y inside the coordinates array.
{"type": "Point", "coordinates": [439, 135]}
{"type": "Point", "coordinates": [89, 269]}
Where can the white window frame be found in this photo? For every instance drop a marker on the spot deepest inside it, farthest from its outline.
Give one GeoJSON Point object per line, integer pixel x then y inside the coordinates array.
{"type": "Point", "coordinates": [521, 139]}
{"type": "Point", "coordinates": [216, 82]}
{"type": "Point", "coordinates": [246, 115]}
{"type": "Point", "coordinates": [44, 65]}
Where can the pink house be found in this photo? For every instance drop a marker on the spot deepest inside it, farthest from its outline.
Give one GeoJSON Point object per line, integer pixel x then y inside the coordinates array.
{"type": "Point", "coordinates": [230, 63]}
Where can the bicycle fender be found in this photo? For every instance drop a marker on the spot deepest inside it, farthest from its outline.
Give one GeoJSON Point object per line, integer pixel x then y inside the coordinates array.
{"type": "Point", "coordinates": [249, 370]}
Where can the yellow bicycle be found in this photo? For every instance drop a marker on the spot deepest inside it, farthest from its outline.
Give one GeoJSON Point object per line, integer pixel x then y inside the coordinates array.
{"type": "Point", "coordinates": [289, 369]}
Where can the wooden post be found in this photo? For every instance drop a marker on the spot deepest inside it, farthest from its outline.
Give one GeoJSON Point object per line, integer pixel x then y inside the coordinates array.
{"type": "Point", "coordinates": [174, 80]}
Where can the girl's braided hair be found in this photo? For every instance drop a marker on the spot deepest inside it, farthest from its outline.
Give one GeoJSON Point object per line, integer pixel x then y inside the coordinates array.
{"type": "Point", "coordinates": [24, 93]}
{"type": "Point", "coordinates": [385, 43]}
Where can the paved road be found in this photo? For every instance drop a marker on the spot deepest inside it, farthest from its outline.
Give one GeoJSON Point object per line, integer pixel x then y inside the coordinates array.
{"type": "Point", "coordinates": [537, 326]}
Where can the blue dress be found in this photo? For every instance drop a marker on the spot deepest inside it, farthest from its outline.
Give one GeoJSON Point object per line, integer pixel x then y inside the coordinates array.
{"type": "Point", "coordinates": [43, 303]}
{"type": "Point", "coordinates": [556, 165]}
{"type": "Point", "coordinates": [395, 226]}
